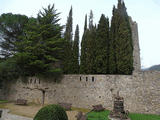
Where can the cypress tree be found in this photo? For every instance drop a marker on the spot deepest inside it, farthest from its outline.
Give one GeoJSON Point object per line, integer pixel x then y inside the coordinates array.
{"type": "Point", "coordinates": [67, 63]}
{"type": "Point", "coordinates": [75, 58]}
{"type": "Point", "coordinates": [121, 46]}
{"type": "Point", "coordinates": [91, 46]}
{"type": "Point", "coordinates": [124, 42]}
{"type": "Point", "coordinates": [112, 53]}
{"type": "Point", "coordinates": [83, 62]}
{"type": "Point", "coordinates": [102, 46]}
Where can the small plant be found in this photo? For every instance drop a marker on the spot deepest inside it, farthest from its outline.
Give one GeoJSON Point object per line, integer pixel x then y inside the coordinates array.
{"type": "Point", "coordinates": [51, 112]}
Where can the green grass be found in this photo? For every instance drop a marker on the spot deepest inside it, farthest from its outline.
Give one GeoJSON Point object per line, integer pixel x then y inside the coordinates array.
{"type": "Point", "coordinates": [134, 116]}
{"type": "Point", "coordinates": [3, 101]}
{"type": "Point", "coordinates": [98, 115]}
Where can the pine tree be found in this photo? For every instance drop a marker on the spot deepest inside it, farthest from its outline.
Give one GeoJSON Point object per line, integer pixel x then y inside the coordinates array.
{"type": "Point", "coordinates": [102, 46]}
{"type": "Point", "coordinates": [75, 58]}
{"type": "Point", "coordinates": [83, 62]}
{"type": "Point", "coordinates": [67, 64]}
{"type": "Point", "coordinates": [42, 46]}
{"type": "Point", "coordinates": [11, 27]}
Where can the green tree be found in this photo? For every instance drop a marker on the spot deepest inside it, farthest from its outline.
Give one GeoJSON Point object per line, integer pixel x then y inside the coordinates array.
{"type": "Point", "coordinates": [90, 46]}
{"type": "Point", "coordinates": [102, 46]}
{"type": "Point", "coordinates": [75, 58]}
{"type": "Point", "coordinates": [83, 62]}
{"type": "Point", "coordinates": [67, 65]}
{"type": "Point", "coordinates": [121, 45]}
{"type": "Point", "coordinates": [42, 45]}
{"type": "Point", "coordinates": [113, 33]}
{"type": "Point", "coordinates": [11, 27]}
{"type": "Point", "coordinates": [124, 44]}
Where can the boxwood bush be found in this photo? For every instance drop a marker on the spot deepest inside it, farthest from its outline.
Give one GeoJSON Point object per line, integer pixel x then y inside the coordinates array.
{"type": "Point", "coordinates": [51, 112]}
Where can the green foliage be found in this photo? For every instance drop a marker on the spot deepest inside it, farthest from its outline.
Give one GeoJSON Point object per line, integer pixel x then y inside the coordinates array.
{"type": "Point", "coordinates": [75, 59]}
{"type": "Point", "coordinates": [68, 53]}
{"type": "Point", "coordinates": [102, 46]}
{"type": "Point", "coordinates": [91, 49]}
{"type": "Point", "coordinates": [42, 46]}
{"type": "Point", "coordinates": [121, 45]}
{"type": "Point", "coordinates": [11, 27]}
{"type": "Point", "coordinates": [88, 47]}
{"type": "Point", "coordinates": [112, 55]}
{"type": "Point", "coordinates": [83, 62]}
{"type": "Point", "coordinates": [51, 112]}
{"type": "Point", "coordinates": [8, 70]}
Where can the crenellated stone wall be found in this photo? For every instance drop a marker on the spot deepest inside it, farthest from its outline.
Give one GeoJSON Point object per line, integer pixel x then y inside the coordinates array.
{"type": "Point", "coordinates": [141, 91]}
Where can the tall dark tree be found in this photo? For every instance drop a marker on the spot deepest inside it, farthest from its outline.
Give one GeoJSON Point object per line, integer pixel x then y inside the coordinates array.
{"type": "Point", "coordinates": [67, 64]}
{"type": "Point", "coordinates": [121, 45]}
{"type": "Point", "coordinates": [75, 58]}
{"type": "Point", "coordinates": [91, 20]}
{"type": "Point", "coordinates": [113, 33]}
{"type": "Point", "coordinates": [43, 46]}
{"type": "Point", "coordinates": [83, 62]}
{"type": "Point", "coordinates": [102, 46]}
{"type": "Point", "coordinates": [124, 42]}
{"type": "Point", "coordinates": [11, 27]}
{"type": "Point", "coordinates": [91, 46]}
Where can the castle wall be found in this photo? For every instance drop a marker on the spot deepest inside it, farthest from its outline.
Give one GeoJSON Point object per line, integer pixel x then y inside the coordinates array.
{"type": "Point", "coordinates": [141, 91]}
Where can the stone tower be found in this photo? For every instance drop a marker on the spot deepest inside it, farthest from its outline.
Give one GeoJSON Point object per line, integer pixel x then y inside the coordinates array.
{"type": "Point", "coordinates": [136, 49]}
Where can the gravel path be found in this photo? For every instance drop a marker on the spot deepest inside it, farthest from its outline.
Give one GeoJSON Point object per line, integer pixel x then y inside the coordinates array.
{"type": "Point", "coordinates": [7, 116]}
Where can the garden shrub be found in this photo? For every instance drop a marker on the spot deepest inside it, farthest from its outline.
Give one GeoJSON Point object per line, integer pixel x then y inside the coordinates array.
{"type": "Point", "coordinates": [51, 112]}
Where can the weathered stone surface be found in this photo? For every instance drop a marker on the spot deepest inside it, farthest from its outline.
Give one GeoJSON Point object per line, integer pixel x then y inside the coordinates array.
{"type": "Point", "coordinates": [80, 116]}
{"type": "Point", "coordinates": [118, 111]}
{"type": "Point", "coordinates": [140, 91]}
{"type": "Point", "coordinates": [21, 102]}
{"type": "Point", "coordinates": [66, 106]}
{"type": "Point", "coordinates": [136, 48]}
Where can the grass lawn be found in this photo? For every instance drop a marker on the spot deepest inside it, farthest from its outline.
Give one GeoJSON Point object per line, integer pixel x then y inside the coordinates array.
{"type": "Point", "coordinates": [134, 116]}
{"type": "Point", "coordinates": [3, 101]}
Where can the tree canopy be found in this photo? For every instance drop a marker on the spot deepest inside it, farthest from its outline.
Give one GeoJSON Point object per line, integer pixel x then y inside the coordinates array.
{"type": "Point", "coordinates": [40, 46]}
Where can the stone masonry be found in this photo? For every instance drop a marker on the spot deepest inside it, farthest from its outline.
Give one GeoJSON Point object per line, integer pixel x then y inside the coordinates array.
{"type": "Point", "coordinates": [141, 91]}
{"type": "Point", "coordinates": [136, 48]}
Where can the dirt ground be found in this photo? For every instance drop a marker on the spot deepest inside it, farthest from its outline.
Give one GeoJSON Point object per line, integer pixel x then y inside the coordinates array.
{"type": "Point", "coordinates": [30, 110]}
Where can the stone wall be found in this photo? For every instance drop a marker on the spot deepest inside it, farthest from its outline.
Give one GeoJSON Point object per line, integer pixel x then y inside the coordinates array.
{"type": "Point", "coordinates": [141, 91]}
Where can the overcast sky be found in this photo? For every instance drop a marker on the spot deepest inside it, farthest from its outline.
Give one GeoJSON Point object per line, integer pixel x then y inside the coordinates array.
{"type": "Point", "coordinates": [145, 12]}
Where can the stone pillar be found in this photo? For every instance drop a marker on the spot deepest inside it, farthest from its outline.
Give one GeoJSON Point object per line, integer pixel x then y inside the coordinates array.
{"type": "Point", "coordinates": [136, 48]}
